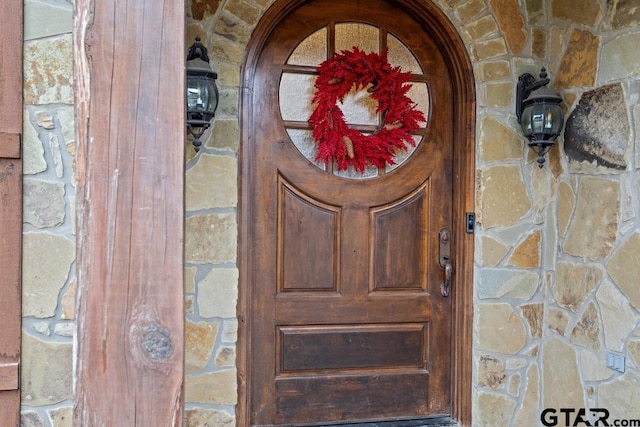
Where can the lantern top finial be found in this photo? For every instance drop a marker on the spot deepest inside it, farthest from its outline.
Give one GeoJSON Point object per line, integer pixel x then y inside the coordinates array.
{"type": "Point", "coordinates": [198, 51]}
{"type": "Point", "coordinates": [543, 73]}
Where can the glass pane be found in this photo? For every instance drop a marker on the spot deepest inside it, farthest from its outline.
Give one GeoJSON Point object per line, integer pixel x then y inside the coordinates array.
{"type": "Point", "coordinates": [542, 118]}
{"type": "Point", "coordinates": [359, 108]}
{"type": "Point", "coordinates": [403, 155]}
{"type": "Point", "coordinates": [400, 55]}
{"type": "Point", "coordinates": [305, 143]}
{"type": "Point", "coordinates": [364, 37]}
{"type": "Point", "coordinates": [557, 118]}
{"type": "Point", "coordinates": [419, 94]}
{"type": "Point", "coordinates": [312, 50]}
{"type": "Point", "coordinates": [296, 92]}
{"type": "Point", "coordinates": [200, 95]}
{"type": "Point", "coordinates": [351, 173]}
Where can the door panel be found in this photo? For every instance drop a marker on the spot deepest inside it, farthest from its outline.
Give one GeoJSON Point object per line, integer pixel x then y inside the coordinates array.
{"type": "Point", "coordinates": [347, 321]}
{"type": "Point", "coordinates": [352, 397]}
{"type": "Point", "coordinates": [352, 347]}
{"type": "Point", "coordinates": [306, 267]}
{"type": "Point", "coordinates": [401, 228]}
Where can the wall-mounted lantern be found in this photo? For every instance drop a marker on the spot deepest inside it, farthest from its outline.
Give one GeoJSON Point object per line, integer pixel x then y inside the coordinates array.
{"type": "Point", "coordinates": [202, 92]}
{"type": "Point", "coordinates": [539, 113]}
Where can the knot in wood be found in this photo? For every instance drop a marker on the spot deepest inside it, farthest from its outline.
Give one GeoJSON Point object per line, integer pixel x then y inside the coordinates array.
{"type": "Point", "coordinates": [156, 342]}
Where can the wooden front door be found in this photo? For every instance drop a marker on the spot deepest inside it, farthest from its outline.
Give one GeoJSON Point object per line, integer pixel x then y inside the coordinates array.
{"type": "Point", "coordinates": [346, 319]}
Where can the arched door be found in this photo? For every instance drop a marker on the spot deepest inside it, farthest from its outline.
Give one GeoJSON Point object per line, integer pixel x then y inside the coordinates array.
{"type": "Point", "coordinates": [346, 318]}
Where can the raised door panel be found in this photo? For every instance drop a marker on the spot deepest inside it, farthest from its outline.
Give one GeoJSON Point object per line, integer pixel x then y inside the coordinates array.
{"type": "Point", "coordinates": [399, 243]}
{"type": "Point", "coordinates": [348, 348]}
{"type": "Point", "coordinates": [305, 267]}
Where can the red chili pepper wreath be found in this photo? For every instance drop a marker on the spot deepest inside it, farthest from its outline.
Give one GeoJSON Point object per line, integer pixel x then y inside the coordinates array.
{"type": "Point", "coordinates": [350, 147]}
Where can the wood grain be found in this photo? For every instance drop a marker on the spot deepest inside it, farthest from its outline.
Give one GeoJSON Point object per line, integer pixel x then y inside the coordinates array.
{"type": "Point", "coordinates": [129, 88]}
{"type": "Point", "coordinates": [11, 12]}
{"type": "Point", "coordinates": [462, 99]}
{"type": "Point", "coordinates": [376, 239]}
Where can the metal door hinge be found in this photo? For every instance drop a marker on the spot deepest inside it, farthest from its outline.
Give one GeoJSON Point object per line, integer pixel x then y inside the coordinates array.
{"type": "Point", "coordinates": [9, 376]}
{"type": "Point", "coordinates": [10, 146]}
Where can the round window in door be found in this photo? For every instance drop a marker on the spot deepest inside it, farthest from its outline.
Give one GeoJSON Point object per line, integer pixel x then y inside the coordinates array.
{"type": "Point", "coordinates": [297, 89]}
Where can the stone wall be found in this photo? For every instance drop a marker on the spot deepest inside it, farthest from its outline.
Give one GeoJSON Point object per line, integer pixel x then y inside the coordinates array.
{"type": "Point", "coordinates": [48, 277]}
{"type": "Point", "coordinates": [556, 248]}
{"type": "Point", "coordinates": [211, 225]}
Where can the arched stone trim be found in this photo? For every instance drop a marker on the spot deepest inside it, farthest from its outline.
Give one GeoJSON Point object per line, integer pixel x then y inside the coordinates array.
{"type": "Point", "coordinates": [464, 100]}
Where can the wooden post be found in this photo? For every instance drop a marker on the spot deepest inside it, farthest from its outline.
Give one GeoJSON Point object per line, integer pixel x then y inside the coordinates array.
{"type": "Point", "coordinates": [10, 209]}
{"type": "Point", "coordinates": [130, 100]}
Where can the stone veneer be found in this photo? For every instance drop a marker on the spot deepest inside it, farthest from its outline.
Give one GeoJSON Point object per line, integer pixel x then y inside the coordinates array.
{"type": "Point", "coordinates": [48, 278]}
{"type": "Point", "coordinates": [556, 266]}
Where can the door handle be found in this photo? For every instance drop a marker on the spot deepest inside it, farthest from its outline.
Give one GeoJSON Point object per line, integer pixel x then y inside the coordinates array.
{"type": "Point", "coordinates": [445, 287]}
{"type": "Point", "coordinates": [445, 261]}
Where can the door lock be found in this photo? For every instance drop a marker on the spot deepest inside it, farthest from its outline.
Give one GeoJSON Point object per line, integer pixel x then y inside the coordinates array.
{"type": "Point", "coordinates": [445, 261]}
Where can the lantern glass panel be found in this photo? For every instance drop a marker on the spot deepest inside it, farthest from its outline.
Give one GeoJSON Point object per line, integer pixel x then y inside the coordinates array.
{"type": "Point", "coordinates": [543, 120]}
{"type": "Point", "coordinates": [202, 97]}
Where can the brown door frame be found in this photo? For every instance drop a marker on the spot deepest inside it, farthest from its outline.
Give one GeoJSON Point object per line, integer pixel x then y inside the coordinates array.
{"type": "Point", "coordinates": [454, 51]}
{"type": "Point", "coordinates": [11, 216]}
{"type": "Point", "coordinates": [130, 110]}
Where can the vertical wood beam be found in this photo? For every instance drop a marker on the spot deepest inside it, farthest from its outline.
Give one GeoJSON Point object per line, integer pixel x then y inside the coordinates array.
{"type": "Point", "coordinates": [129, 95]}
{"type": "Point", "coordinates": [11, 12]}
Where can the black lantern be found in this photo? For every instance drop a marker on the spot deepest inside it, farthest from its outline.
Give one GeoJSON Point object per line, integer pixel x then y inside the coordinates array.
{"type": "Point", "coordinates": [202, 92]}
{"type": "Point", "coordinates": [539, 113]}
